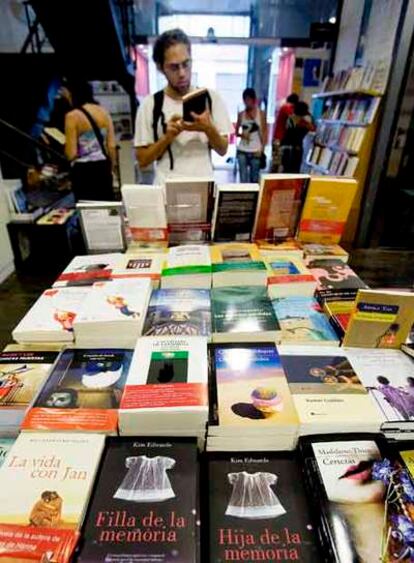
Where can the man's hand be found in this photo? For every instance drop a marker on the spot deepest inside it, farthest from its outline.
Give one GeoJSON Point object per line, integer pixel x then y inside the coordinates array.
{"type": "Point", "coordinates": [174, 127]}
{"type": "Point", "coordinates": [202, 122]}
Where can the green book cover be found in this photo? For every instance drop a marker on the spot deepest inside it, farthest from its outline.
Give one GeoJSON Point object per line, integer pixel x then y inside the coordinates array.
{"type": "Point", "coordinates": [242, 309]}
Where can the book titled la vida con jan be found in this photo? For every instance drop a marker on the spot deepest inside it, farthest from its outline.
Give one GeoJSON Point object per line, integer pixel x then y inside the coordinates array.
{"type": "Point", "coordinates": [145, 504]}
{"type": "Point", "coordinates": [257, 509]}
{"type": "Point", "coordinates": [46, 484]}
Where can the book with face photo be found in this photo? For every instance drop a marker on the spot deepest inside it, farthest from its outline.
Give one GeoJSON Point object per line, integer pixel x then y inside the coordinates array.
{"type": "Point", "coordinates": [83, 392]}
{"type": "Point", "coordinates": [145, 504]}
{"type": "Point", "coordinates": [327, 392]}
{"type": "Point", "coordinates": [257, 509]}
{"type": "Point", "coordinates": [347, 493]}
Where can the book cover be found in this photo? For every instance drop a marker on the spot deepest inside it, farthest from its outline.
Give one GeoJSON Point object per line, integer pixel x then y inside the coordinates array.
{"type": "Point", "coordinates": [288, 269]}
{"type": "Point", "coordinates": [187, 259]}
{"type": "Point", "coordinates": [388, 375]}
{"type": "Point", "coordinates": [145, 209]}
{"type": "Point", "coordinates": [326, 209]}
{"type": "Point", "coordinates": [348, 494]}
{"type": "Point", "coordinates": [196, 101]}
{"type": "Point", "coordinates": [5, 447]}
{"type": "Point", "coordinates": [326, 389]}
{"type": "Point", "coordinates": [380, 319]}
{"type": "Point", "coordinates": [313, 251]}
{"type": "Point", "coordinates": [280, 205]}
{"type": "Point", "coordinates": [46, 483]}
{"type": "Point", "coordinates": [145, 505]}
{"type": "Point", "coordinates": [302, 321]}
{"type": "Point", "coordinates": [168, 373]}
{"type": "Point", "coordinates": [83, 392]}
{"type": "Point", "coordinates": [86, 270]}
{"type": "Point", "coordinates": [338, 312]}
{"type": "Point", "coordinates": [257, 509]}
{"type": "Point", "coordinates": [269, 250]}
{"type": "Point", "coordinates": [189, 209]}
{"type": "Point", "coordinates": [235, 212]}
{"type": "Point", "coordinates": [142, 265]}
{"type": "Point", "coordinates": [335, 278]}
{"type": "Point", "coordinates": [249, 389]}
{"type": "Point", "coordinates": [173, 312]}
{"type": "Point", "coordinates": [51, 318]}
{"type": "Point", "coordinates": [22, 374]}
{"type": "Point", "coordinates": [236, 256]}
{"type": "Point", "coordinates": [242, 310]}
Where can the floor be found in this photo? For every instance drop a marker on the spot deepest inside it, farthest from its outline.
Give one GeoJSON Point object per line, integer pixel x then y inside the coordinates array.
{"type": "Point", "coordinates": [378, 268]}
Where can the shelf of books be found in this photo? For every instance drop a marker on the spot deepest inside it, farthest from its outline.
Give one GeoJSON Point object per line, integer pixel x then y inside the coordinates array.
{"type": "Point", "coordinates": [237, 395]}
{"type": "Point", "coordinates": [345, 133]}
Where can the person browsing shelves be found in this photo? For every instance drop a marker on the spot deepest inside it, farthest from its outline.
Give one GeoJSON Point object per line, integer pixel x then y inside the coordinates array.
{"type": "Point", "coordinates": [179, 148]}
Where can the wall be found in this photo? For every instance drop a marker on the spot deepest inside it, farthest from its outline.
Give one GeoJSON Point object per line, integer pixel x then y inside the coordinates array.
{"type": "Point", "coordinates": [348, 34]}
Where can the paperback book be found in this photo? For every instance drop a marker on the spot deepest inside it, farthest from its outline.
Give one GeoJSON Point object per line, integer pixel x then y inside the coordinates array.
{"type": "Point", "coordinates": [5, 447]}
{"type": "Point", "coordinates": [281, 199]}
{"type": "Point", "coordinates": [140, 265]}
{"type": "Point", "coordinates": [243, 314]}
{"type": "Point", "coordinates": [166, 390]}
{"type": "Point", "coordinates": [288, 247]}
{"type": "Point", "coordinates": [380, 319]}
{"type": "Point", "coordinates": [257, 509]}
{"type": "Point", "coordinates": [146, 213]}
{"type": "Point", "coordinates": [327, 391]}
{"type": "Point", "coordinates": [189, 209]}
{"type": "Point", "coordinates": [86, 270]}
{"type": "Point", "coordinates": [313, 251]}
{"type": "Point", "coordinates": [46, 482]}
{"type": "Point", "coordinates": [388, 375]}
{"type": "Point", "coordinates": [251, 407]}
{"type": "Point", "coordinates": [178, 312]}
{"type": "Point", "coordinates": [187, 266]}
{"type": "Point", "coordinates": [302, 321]}
{"type": "Point", "coordinates": [234, 212]}
{"type": "Point", "coordinates": [82, 393]}
{"type": "Point", "coordinates": [326, 210]}
{"type": "Point", "coordinates": [51, 318]}
{"type": "Point", "coordinates": [237, 264]}
{"type": "Point", "coordinates": [145, 504]}
{"type": "Point", "coordinates": [335, 280]}
{"type": "Point", "coordinates": [22, 373]}
{"type": "Point", "coordinates": [113, 314]}
{"type": "Point", "coordinates": [288, 275]}
{"type": "Point", "coordinates": [344, 481]}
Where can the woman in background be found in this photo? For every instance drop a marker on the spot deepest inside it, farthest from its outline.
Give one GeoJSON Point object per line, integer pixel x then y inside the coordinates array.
{"type": "Point", "coordinates": [298, 125]}
{"type": "Point", "coordinates": [253, 134]}
{"type": "Point", "coordinates": [90, 145]}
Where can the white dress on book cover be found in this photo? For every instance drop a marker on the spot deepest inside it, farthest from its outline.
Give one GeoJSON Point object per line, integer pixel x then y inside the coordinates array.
{"type": "Point", "coordinates": [147, 479]}
{"type": "Point", "coordinates": [252, 496]}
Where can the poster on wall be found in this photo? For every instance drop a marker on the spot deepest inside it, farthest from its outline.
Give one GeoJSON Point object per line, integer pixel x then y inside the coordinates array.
{"type": "Point", "coordinates": [311, 72]}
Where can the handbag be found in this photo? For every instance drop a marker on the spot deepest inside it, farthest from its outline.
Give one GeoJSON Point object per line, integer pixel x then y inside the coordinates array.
{"type": "Point", "coordinates": [263, 160]}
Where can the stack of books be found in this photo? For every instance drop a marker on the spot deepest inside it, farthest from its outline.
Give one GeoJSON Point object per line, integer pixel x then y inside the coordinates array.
{"type": "Point", "coordinates": [166, 390]}
{"type": "Point", "coordinates": [86, 270]}
{"type": "Point", "coordinates": [113, 314]}
{"type": "Point", "coordinates": [251, 408]}
{"type": "Point", "coordinates": [237, 264]}
{"type": "Point", "coordinates": [288, 275]}
{"type": "Point", "coordinates": [187, 266]}
{"type": "Point", "coordinates": [139, 265]}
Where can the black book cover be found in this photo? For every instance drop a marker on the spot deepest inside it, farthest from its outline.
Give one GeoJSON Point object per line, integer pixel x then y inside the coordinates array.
{"type": "Point", "coordinates": [145, 504]}
{"type": "Point", "coordinates": [347, 495]}
{"type": "Point", "coordinates": [195, 102]}
{"type": "Point", "coordinates": [335, 279]}
{"type": "Point", "coordinates": [235, 216]}
{"type": "Point", "coordinates": [257, 509]}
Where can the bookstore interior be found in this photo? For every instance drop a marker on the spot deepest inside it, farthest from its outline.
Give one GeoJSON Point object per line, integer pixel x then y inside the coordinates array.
{"type": "Point", "coordinates": [194, 366]}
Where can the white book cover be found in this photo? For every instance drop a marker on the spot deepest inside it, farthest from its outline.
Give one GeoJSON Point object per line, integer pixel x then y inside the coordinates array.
{"type": "Point", "coordinates": [139, 265]}
{"type": "Point", "coordinates": [117, 300]}
{"type": "Point", "coordinates": [146, 212]}
{"type": "Point", "coordinates": [388, 375]}
{"type": "Point", "coordinates": [188, 199]}
{"type": "Point", "coordinates": [187, 259]}
{"type": "Point", "coordinates": [52, 316]}
{"type": "Point", "coordinates": [168, 374]}
{"type": "Point", "coordinates": [84, 270]}
{"type": "Point", "coordinates": [46, 482]}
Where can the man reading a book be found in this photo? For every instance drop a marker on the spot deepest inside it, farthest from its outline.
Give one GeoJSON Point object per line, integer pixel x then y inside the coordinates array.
{"type": "Point", "coordinates": [180, 148]}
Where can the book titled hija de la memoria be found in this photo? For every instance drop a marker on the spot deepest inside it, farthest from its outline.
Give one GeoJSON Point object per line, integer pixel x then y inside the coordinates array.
{"type": "Point", "coordinates": [46, 482]}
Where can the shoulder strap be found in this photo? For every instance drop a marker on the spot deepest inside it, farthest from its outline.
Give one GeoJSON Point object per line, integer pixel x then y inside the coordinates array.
{"type": "Point", "coordinates": [96, 130]}
{"type": "Point", "coordinates": [158, 115]}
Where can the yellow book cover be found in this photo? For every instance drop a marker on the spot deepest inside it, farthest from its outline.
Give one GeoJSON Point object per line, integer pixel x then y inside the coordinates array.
{"type": "Point", "coordinates": [380, 319]}
{"type": "Point", "coordinates": [408, 458]}
{"type": "Point", "coordinates": [326, 210]}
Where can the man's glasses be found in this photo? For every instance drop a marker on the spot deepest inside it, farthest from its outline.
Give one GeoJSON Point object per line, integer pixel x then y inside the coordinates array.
{"type": "Point", "coordinates": [175, 67]}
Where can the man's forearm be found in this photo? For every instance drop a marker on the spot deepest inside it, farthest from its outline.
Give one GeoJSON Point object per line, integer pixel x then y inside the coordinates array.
{"type": "Point", "coordinates": [151, 153]}
{"type": "Point", "coordinates": [217, 142]}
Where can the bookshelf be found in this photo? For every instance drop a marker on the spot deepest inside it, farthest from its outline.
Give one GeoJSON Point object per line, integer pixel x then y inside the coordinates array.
{"type": "Point", "coordinates": [343, 140]}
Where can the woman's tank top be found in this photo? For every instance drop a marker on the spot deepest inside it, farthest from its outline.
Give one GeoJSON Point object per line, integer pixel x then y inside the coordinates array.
{"type": "Point", "coordinates": [252, 126]}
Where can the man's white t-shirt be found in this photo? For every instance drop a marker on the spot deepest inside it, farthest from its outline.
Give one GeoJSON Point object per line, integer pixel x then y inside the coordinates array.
{"type": "Point", "coordinates": [190, 149]}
